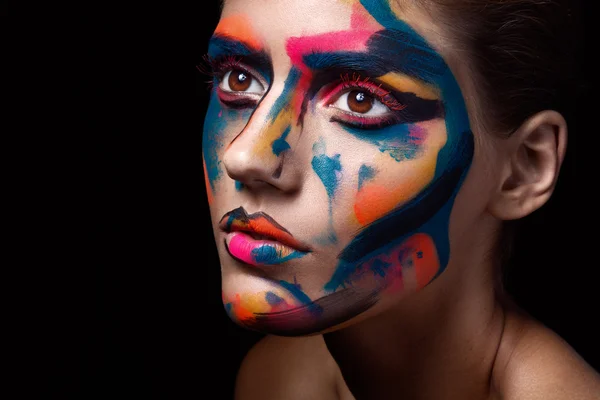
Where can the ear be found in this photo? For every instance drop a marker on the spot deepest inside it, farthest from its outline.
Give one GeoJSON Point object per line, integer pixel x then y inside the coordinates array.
{"type": "Point", "coordinates": [535, 152]}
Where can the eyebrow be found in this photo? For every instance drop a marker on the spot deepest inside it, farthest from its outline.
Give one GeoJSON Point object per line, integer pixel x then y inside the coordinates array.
{"type": "Point", "coordinates": [220, 46]}
{"type": "Point", "coordinates": [387, 51]}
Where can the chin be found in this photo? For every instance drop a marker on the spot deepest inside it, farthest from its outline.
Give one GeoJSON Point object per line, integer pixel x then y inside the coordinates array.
{"type": "Point", "coordinates": [279, 306]}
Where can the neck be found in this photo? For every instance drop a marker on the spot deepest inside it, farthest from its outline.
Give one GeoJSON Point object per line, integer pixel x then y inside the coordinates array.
{"type": "Point", "coordinates": [438, 343]}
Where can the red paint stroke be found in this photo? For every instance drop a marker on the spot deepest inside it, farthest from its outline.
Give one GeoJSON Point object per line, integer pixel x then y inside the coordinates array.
{"type": "Point", "coordinates": [298, 47]}
{"type": "Point", "coordinates": [361, 19]}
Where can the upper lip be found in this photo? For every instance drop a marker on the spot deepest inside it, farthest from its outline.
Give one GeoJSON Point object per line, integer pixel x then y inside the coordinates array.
{"type": "Point", "coordinates": [262, 224]}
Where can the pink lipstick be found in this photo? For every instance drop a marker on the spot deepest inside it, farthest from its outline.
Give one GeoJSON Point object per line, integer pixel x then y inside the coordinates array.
{"type": "Point", "coordinates": [257, 239]}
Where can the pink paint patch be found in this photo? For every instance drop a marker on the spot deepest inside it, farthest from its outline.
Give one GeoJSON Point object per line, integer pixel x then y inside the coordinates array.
{"type": "Point", "coordinates": [297, 47]}
{"type": "Point", "coordinates": [417, 134]}
{"type": "Point", "coordinates": [360, 19]}
{"type": "Point", "coordinates": [220, 113]}
{"type": "Point", "coordinates": [302, 88]}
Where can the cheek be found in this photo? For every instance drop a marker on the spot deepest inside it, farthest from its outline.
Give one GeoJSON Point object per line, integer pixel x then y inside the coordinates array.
{"type": "Point", "coordinates": [399, 180]}
{"type": "Point", "coordinates": [220, 127]}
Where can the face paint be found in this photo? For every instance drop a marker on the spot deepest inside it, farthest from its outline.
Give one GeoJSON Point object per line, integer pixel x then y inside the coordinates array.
{"type": "Point", "coordinates": [232, 41]}
{"type": "Point", "coordinates": [364, 174]}
{"type": "Point", "coordinates": [327, 169]}
{"type": "Point", "coordinates": [280, 145]}
{"type": "Point", "coordinates": [388, 198]}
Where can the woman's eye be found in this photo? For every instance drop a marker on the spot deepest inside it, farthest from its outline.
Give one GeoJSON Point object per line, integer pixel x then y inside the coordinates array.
{"type": "Point", "coordinates": [360, 102]}
{"type": "Point", "coordinates": [237, 80]}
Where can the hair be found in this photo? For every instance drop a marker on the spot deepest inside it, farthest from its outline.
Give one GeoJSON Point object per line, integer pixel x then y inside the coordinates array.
{"type": "Point", "coordinates": [522, 54]}
{"type": "Point", "coordinates": [524, 59]}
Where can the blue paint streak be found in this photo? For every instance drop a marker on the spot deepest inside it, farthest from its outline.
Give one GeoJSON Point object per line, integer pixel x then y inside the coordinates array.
{"type": "Point", "coordinates": [214, 127]}
{"type": "Point", "coordinates": [288, 91]}
{"type": "Point", "coordinates": [239, 186]}
{"type": "Point", "coordinates": [273, 299]}
{"type": "Point", "coordinates": [379, 267]}
{"type": "Point", "coordinates": [280, 145]}
{"type": "Point", "coordinates": [364, 174]}
{"type": "Point", "coordinates": [295, 290]}
{"type": "Point", "coordinates": [220, 46]}
{"type": "Point", "coordinates": [229, 311]}
{"type": "Point", "coordinates": [325, 168]}
{"type": "Point", "coordinates": [454, 159]}
{"type": "Point", "coordinates": [268, 255]}
{"type": "Point", "coordinates": [394, 140]}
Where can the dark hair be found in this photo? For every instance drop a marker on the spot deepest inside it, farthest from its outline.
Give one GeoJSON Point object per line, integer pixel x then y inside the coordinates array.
{"type": "Point", "coordinates": [522, 53]}
{"type": "Point", "coordinates": [524, 59]}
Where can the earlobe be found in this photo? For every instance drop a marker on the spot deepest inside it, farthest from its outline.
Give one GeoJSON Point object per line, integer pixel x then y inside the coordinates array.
{"type": "Point", "coordinates": [535, 154]}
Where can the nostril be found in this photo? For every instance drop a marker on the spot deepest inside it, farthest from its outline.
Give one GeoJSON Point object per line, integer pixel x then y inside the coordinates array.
{"type": "Point", "coordinates": [245, 162]}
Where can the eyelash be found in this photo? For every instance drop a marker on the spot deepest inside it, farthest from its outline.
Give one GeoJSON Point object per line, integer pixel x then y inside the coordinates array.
{"type": "Point", "coordinates": [348, 83]}
{"type": "Point", "coordinates": [217, 67]}
{"type": "Point", "coordinates": [382, 95]}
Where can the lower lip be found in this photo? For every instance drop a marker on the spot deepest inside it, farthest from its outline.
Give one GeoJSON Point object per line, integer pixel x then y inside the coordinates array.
{"type": "Point", "coordinates": [259, 252]}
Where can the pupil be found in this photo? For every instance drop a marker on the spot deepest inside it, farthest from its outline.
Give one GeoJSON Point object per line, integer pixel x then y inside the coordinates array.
{"type": "Point", "coordinates": [360, 97]}
{"type": "Point", "coordinates": [242, 77]}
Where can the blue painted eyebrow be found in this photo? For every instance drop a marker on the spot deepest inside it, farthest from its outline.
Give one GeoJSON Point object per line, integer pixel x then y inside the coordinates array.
{"type": "Point", "coordinates": [222, 46]}
{"type": "Point", "coordinates": [387, 51]}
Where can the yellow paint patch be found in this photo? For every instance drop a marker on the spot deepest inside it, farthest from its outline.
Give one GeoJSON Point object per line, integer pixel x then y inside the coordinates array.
{"type": "Point", "coordinates": [271, 132]}
{"type": "Point", "coordinates": [407, 84]}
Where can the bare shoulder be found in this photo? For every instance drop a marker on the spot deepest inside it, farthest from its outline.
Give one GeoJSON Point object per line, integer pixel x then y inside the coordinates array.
{"type": "Point", "coordinates": [290, 368]}
{"type": "Point", "coordinates": [533, 362]}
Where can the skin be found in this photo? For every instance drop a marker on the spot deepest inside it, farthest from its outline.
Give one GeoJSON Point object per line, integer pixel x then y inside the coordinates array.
{"type": "Point", "coordinates": [408, 308]}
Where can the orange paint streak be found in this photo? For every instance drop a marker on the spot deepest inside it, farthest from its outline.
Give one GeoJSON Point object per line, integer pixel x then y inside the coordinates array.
{"type": "Point", "coordinates": [263, 226]}
{"type": "Point", "coordinates": [209, 192]}
{"type": "Point", "coordinates": [428, 264]}
{"type": "Point", "coordinates": [241, 312]}
{"type": "Point", "coordinates": [371, 202]}
{"type": "Point", "coordinates": [238, 27]}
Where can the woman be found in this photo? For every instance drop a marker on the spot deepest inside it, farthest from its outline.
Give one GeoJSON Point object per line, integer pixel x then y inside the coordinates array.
{"type": "Point", "coordinates": [361, 159]}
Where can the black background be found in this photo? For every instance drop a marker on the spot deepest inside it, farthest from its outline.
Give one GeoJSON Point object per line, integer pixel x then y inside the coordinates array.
{"type": "Point", "coordinates": [135, 308]}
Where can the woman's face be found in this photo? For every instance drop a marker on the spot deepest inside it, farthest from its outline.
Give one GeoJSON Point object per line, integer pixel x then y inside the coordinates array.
{"type": "Point", "coordinates": [334, 145]}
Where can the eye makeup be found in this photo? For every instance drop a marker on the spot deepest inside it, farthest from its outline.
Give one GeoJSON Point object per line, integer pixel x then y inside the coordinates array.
{"type": "Point", "coordinates": [402, 107]}
{"type": "Point", "coordinates": [224, 52]}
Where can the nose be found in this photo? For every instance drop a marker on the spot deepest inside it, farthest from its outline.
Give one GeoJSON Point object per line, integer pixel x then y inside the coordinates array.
{"type": "Point", "coordinates": [261, 153]}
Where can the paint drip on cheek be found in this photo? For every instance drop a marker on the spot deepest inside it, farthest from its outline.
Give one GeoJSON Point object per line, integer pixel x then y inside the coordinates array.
{"type": "Point", "coordinates": [328, 169]}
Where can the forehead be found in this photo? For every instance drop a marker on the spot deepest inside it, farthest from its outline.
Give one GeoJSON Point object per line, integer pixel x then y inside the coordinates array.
{"type": "Point", "coordinates": [276, 20]}
{"type": "Point", "coordinates": [269, 23]}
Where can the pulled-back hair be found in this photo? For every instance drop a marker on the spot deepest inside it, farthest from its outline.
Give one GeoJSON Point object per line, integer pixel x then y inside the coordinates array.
{"type": "Point", "coordinates": [521, 52]}
{"type": "Point", "coordinates": [523, 56]}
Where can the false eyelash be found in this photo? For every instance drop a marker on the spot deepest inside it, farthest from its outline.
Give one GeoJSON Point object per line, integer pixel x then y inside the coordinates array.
{"type": "Point", "coordinates": [215, 67]}
{"type": "Point", "coordinates": [384, 96]}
